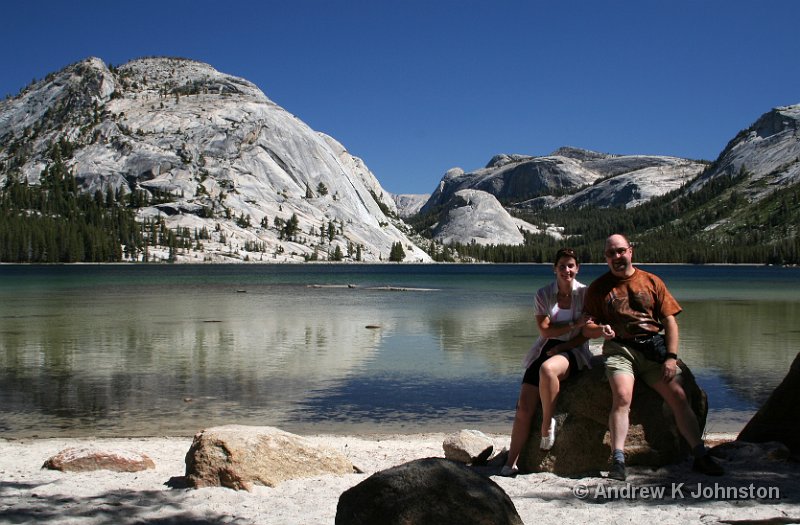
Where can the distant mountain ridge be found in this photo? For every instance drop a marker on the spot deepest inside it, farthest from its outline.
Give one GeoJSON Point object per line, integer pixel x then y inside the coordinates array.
{"type": "Point", "coordinates": [752, 175]}
{"type": "Point", "coordinates": [742, 207]}
{"type": "Point", "coordinates": [569, 177]}
{"type": "Point", "coordinates": [211, 153]}
{"type": "Point", "coordinates": [566, 173]}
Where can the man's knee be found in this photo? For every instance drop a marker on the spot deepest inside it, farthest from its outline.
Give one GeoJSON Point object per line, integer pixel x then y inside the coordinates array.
{"type": "Point", "coordinates": [621, 394]}
{"type": "Point", "coordinates": [621, 401]}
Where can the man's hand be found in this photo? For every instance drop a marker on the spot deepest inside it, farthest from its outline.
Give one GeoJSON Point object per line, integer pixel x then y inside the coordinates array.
{"type": "Point", "coordinates": [669, 369]}
{"type": "Point", "coordinates": [608, 332]}
{"type": "Point", "coordinates": [593, 329]}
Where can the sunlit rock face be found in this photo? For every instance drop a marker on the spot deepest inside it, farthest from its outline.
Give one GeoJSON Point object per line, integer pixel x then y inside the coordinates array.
{"type": "Point", "coordinates": [570, 177]}
{"type": "Point", "coordinates": [231, 160]}
{"type": "Point", "coordinates": [631, 180]}
{"type": "Point", "coordinates": [768, 152]}
{"type": "Point", "coordinates": [408, 204]}
{"type": "Point", "coordinates": [476, 216]}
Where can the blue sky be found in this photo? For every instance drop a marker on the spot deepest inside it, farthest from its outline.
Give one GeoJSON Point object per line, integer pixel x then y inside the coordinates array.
{"type": "Point", "coordinates": [416, 87]}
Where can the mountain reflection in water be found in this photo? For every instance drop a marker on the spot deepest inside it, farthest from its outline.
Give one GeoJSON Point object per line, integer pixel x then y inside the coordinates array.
{"type": "Point", "coordinates": [167, 350]}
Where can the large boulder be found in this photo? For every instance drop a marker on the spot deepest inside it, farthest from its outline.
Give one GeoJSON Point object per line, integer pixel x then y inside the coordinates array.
{"type": "Point", "coordinates": [777, 420]}
{"type": "Point", "coordinates": [239, 457]}
{"type": "Point", "coordinates": [582, 443]}
{"type": "Point", "coordinates": [425, 491]}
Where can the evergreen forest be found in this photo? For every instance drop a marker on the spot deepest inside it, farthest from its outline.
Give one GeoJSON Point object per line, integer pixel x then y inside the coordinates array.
{"type": "Point", "coordinates": [54, 222]}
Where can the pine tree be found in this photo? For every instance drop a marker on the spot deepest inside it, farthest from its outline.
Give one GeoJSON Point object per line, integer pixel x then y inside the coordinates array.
{"type": "Point", "coordinates": [397, 254]}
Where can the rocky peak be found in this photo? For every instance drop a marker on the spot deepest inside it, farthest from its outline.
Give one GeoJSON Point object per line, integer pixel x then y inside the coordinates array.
{"type": "Point", "coordinates": [768, 151]}
{"type": "Point", "coordinates": [498, 161]}
{"type": "Point", "coordinates": [231, 161]}
{"type": "Point", "coordinates": [777, 121]}
{"type": "Point", "coordinates": [182, 76]}
{"type": "Point", "coordinates": [579, 154]}
{"type": "Point", "coordinates": [57, 106]}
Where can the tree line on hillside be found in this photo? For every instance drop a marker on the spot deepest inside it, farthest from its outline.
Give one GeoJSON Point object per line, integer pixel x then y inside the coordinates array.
{"type": "Point", "coordinates": [54, 222]}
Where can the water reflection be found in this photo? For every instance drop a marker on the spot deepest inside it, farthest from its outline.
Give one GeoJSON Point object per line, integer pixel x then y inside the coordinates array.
{"type": "Point", "coordinates": [160, 364]}
{"type": "Point", "coordinates": [741, 349]}
{"type": "Point", "coordinates": [170, 350]}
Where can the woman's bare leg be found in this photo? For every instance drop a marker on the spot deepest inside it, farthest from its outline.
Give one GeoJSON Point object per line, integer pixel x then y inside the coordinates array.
{"type": "Point", "coordinates": [526, 409]}
{"type": "Point", "coordinates": [552, 372]}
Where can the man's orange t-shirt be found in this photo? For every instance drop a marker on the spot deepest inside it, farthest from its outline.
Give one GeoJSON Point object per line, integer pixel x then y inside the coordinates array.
{"type": "Point", "coordinates": [633, 306]}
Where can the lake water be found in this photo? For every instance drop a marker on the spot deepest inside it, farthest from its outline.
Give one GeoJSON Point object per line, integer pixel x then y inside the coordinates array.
{"type": "Point", "coordinates": [117, 350]}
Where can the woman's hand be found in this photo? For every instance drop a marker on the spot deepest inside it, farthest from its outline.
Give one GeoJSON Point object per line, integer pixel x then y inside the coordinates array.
{"type": "Point", "coordinates": [608, 332]}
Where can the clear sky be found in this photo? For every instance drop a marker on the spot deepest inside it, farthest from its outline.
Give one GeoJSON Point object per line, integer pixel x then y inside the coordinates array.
{"type": "Point", "coordinates": [416, 87]}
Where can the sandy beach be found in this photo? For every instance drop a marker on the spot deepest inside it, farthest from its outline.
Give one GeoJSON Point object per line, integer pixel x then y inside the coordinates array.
{"type": "Point", "coordinates": [759, 489]}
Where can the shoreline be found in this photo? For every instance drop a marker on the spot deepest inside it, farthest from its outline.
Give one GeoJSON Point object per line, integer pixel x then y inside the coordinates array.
{"type": "Point", "coordinates": [723, 426]}
{"type": "Point", "coordinates": [32, 494]}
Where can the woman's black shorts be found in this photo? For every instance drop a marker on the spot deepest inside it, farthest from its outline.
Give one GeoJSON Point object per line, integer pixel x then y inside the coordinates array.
{"type": "Point", "coordinates": [531, 376]}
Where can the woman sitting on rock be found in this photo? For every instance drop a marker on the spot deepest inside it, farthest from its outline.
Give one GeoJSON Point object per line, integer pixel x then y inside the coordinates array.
{"type": "Point", "coordinates": [559, 351]}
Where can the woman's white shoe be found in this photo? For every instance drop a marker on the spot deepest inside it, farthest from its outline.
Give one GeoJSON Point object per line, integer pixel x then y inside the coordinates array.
{"type": "Point", "coordinates": [548, 441]}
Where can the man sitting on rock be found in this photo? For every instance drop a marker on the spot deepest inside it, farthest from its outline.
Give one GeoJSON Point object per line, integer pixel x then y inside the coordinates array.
{"type": "Point", "coordinates": [629, 307]}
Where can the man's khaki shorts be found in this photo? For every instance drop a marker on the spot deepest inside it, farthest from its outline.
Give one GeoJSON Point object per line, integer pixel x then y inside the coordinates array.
{"type": "Point", "coordinates": [621, 359]}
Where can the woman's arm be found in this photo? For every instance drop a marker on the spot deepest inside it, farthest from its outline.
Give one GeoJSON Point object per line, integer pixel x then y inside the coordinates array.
{"type": "Point", "coordinates": [550, 330]}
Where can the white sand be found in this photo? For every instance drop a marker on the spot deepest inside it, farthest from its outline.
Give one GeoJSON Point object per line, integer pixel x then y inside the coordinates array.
{"type": "Point", "coordinates": [30, 494]}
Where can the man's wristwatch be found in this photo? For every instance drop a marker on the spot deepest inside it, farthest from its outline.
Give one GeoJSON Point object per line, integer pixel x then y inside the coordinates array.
{"type": "Point", "coordinates": [671, 355]}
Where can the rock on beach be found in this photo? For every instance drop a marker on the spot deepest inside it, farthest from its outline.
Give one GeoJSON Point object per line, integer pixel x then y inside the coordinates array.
{"type": "Point", "coordinates": [239, 456]}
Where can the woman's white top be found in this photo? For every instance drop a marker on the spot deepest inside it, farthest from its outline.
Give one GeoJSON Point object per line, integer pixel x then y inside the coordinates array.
{"type": "Point", "coordinates": [546, 303]}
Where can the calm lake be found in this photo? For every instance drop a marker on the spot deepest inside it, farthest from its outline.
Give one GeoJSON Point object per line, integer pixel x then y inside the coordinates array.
{"type": "Point", "coordinates": [147, 350]}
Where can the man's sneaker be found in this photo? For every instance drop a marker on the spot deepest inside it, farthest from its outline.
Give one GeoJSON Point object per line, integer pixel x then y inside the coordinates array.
{"type": "Point", "coordinates": [617, 471]}
{"type": "Point", "coordinates": [706, 465]}
{"type": "Point", "coordinates": [508, 472]}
